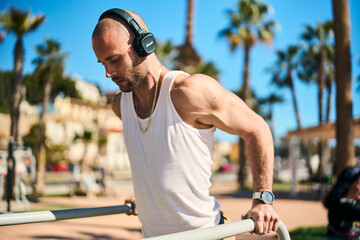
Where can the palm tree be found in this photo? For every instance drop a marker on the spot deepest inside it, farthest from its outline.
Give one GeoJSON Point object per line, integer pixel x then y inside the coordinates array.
{"type": "Point", "coordinates": [316, 63]}
{"type": "Point", "coordinates": [20, 23]}
{"type": "Point", "coordinates": [319, 42]}
{"type": "Point", "coordinates": [188, 58]}
{"type": "Point", "coordinates": [168, 56]}
{"type": "Point", "coordinates": [248, 25]}
{"type": "Point", "coordinates": [185, 57]}
{"type": "Point", "coordinates": [282, 75]}
{"type": "Point", "coordinates": [50, 59]}
{"type": "Point", "coordinates": [344, 118]}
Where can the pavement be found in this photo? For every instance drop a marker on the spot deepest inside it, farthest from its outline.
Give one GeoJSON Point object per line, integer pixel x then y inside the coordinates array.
{"type": "Point", "coordinates": [293, 212]}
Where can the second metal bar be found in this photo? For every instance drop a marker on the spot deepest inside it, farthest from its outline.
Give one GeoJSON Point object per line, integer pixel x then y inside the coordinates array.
{"type": "Point", "coordinates": [45, 216]}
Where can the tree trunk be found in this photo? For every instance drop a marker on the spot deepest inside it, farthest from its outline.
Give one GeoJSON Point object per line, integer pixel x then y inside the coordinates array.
{"type": "Point", "coordinates": [328, 107]}
{"type": "Point", "coordinates": [322, 148]}
{"type": "Point", "coordinates": [329, 85]}
{"type": "Point", "coordinates": [344, 118]}
{"type": "Point", "coordinates": [322, 143]}
{"type": "Point", "coordinates": [189, 22]}
{"type": "Point", "coordinates": [188, 59]}
{"type": "Point", "coordinates": [39, 188]}
{"type": "Point", "coordinates": [16, 97]}
{"type": "Point", "coordinates": [16, 89]}
{"type": "Point", "coordinates": [325, 147]}
{"type": "Point", "coordinates": [293, 95]}
{"type": "Point", "coordinates": [303, 145]}
{"type": "Point", "coordinates": [41, 155]}
{"type": "Point", "coordinates": [246, 86]}
{"type": "Point", "coordinates": [321, 83]}
{"type": "Point", "coordinates": [243, 165]}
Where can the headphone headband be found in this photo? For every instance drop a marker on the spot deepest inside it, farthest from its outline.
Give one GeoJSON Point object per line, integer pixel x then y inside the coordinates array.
{"type": "Point", "coordinates": [144, 42]}
{"type": "Point", "coordinates": [125, 16]}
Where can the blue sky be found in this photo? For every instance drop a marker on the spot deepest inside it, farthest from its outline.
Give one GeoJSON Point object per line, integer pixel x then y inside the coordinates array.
{"type": "Point", "coordinates": [71, 22]}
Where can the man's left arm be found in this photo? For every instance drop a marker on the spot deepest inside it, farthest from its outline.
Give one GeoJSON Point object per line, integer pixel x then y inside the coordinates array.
{"type": "Point", "coordinates": [226, 111]}
{"type": "Point", "coordinates": [260, 152]}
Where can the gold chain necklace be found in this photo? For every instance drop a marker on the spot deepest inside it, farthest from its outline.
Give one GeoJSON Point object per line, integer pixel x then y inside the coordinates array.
{"type": "Point", "coordinates": [153, 105]}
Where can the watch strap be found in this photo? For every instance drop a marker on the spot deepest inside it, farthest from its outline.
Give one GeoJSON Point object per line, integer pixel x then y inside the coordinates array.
{"type": "Point", "coordinates": [257, 195]}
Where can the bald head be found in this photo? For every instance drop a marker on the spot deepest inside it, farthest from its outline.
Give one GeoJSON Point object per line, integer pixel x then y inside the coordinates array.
{"type": "Point", "coordinates": [111, 21]}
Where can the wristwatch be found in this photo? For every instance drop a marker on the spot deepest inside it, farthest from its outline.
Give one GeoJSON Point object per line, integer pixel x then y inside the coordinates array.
{"type": "Point", "coordinates": [264, 196]}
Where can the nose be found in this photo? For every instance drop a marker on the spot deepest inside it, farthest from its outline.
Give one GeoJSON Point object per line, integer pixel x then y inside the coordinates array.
{"type": "Point", "coordinates": [109, 71]}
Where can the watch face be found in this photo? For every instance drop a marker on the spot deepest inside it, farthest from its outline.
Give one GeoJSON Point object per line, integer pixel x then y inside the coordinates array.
{"type": "Point", "coordinates": [267, 197]}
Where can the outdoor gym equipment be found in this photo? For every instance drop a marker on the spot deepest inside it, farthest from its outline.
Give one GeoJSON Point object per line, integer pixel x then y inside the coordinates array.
{"type": "Point", "coordinates": [211, 233]}
{"type": "Point", "coordinates": [222, 231]}
{"type": "Point", "coordinates": [56, 215]}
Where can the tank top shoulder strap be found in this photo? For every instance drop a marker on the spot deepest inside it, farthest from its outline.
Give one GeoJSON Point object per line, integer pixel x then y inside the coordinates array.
{"type": "Point", "coordinates": [169, 80]}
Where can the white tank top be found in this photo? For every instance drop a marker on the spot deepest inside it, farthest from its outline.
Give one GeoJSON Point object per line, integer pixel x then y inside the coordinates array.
{"type": "Point", "coordinates": [171, 167]}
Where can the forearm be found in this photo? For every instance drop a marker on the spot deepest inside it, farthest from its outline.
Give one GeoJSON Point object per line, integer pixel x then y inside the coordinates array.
{"type": "Point", "coordinates": [260, 152]}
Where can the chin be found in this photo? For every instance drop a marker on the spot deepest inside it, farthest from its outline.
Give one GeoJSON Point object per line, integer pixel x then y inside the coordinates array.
{"type": "Point", "coordinates": [126, 89]}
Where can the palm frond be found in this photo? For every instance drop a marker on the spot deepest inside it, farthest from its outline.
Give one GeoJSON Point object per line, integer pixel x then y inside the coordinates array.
{"type": "Point", "coordinates": [20, 22]}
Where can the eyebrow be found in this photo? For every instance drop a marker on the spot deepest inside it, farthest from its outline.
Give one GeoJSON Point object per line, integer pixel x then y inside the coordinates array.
{"type": "Point", "coordinates": [108, 58]}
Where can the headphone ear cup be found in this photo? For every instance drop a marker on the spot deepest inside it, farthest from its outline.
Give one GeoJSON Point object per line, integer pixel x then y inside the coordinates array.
{"type": "Point", "coordinates": [137, 47]}
{"type": "Point", "coordinates": [145, 44]}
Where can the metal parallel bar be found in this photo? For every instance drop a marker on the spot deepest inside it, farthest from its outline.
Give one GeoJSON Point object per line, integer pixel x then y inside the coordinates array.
{"type": "Point", "coordinates": [282, 232]}
{"type": "Point", "coordinates": [45, 216]}
{"type": "Point", "coordinates": [211, 233]}
{"type": "Point", "coordinates": [222, 231]}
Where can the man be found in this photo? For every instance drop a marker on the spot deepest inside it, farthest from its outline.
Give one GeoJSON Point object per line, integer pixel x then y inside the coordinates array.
{"type": "Point", "coordinates": [169, 119]}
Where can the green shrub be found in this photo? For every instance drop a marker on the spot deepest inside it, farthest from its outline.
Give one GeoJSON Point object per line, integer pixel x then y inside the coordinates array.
{"type": "Point", "coordinates": [309, 233]}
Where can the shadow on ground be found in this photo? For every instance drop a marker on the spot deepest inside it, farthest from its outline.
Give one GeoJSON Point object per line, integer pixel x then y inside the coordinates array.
{"type": "Point", "coordinates": [301, 195]}
{"type": "Point", "coordinates": [88, 235]}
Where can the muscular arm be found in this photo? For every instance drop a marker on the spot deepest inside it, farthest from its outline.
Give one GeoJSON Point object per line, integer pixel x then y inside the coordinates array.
{"type": "Point", "coordinates": [202, 102]}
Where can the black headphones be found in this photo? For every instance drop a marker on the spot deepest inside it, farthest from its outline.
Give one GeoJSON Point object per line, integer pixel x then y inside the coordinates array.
{"type": "Point", "coordinates": [144, 42]}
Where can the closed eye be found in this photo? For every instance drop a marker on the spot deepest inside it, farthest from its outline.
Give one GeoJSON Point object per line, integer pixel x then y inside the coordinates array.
{"type": "Point", "coordinates": [115, 60]}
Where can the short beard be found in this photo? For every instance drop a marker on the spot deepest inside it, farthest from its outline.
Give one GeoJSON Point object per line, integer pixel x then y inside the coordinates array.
{"type": "Point", "coordinates": [132, 84]}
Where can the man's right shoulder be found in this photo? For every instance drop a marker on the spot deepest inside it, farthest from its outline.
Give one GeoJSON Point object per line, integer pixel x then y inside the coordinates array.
{"type": "Point", "coordinates": [115, 104]}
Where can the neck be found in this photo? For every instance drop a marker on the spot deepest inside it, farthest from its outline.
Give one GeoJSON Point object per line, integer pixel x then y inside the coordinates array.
{"type": "Point", "coordinates": [144, 95]}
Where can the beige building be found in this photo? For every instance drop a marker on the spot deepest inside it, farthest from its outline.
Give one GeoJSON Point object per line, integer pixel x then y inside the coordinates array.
{"type": "Point", "coordinates": [71, 117]}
